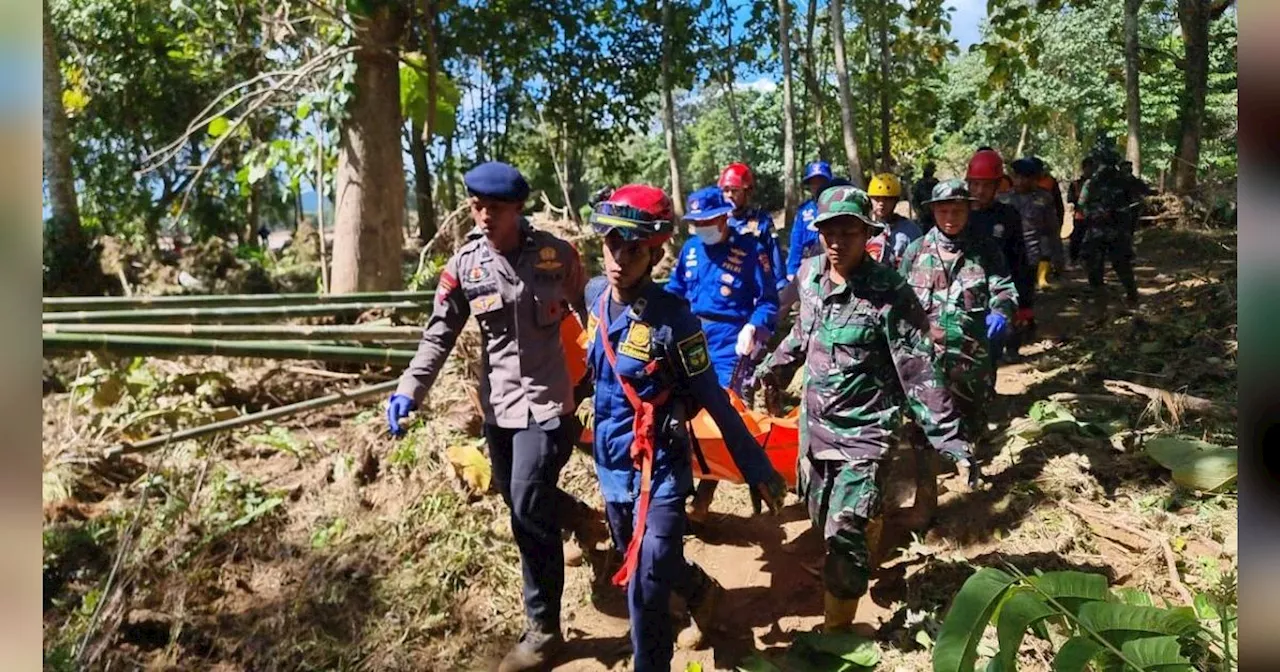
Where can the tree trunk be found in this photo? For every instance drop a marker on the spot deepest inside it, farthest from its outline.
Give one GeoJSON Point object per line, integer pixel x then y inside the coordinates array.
{"type": "Point", "coordinates": [788, 114]}
{"type": "Point", "coordinates": [885, 154]}
{"type": "Point", "coordinates": [370, 190]}
{"type": "Point", "coordinates": [1194, 16]}
{"type": "Point", "coordinates": [566, 176]}
{"type": "Point", "coordinates": [730, 98]}
{"type": "Point", "coordinates": [854, 164]}
{"type": "Point", "coordinates": [1022, 142]}
{"type": "Point", "coordinates": [450, 186]}
{"type": "Point", "coordinates": [426, 207]}
{"type": "Point", "coordinates": [422, 182]}
{"type": "Point", "coordinates": [1133, 99]}
{"type": "Point", "coordinates": [65, 244]}
{"type": "Point", "coordinates": [668, 108]}
{"type": "Point", "coordinates": [811, 80]}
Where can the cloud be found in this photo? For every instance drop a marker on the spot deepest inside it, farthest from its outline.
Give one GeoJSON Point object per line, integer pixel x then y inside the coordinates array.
{"type": "Point", "coordinates": [760, 85]}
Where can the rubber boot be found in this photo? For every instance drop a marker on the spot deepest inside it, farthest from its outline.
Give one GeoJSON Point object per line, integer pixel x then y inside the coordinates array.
{"type": "Point", "coordinates": [926, 502]}
{"type": "Point", "coordinates": [875, 538]}
{"type": "Point", "coordinates": [1042, 274]}
{"type": "Point", "coordinates": [838, 614]}
{"type": "Point", "coordinates": [701, 617]}
{"type": "Point", "coordinates": [536, 650]}
{"type": "Point", "coordinates": [700, 507]}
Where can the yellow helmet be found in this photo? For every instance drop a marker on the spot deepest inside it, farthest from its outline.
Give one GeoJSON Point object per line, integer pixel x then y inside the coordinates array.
{"type": "Point", "coordinates": [885, 184]}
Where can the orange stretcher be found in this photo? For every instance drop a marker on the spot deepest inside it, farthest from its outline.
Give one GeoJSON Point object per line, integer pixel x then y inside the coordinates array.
{"type": "Point", "coordinates": [779, 436]}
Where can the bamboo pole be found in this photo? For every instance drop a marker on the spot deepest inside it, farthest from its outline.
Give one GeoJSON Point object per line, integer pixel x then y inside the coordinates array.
{"type": "Point", "coordinates": [297, 332]}
{"type": "Point", "coordinates": [234, 314]}
{"type": "Point", "coordinates": [154, 442]}
{"type": "Point", "coordinates": [69, 303]}
{"type": "Point", "coordinates": [155, 346]}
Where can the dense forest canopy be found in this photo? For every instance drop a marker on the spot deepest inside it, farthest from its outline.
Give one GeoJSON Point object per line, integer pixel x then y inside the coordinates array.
{"type": "Point", "coordinates": [213, 118]}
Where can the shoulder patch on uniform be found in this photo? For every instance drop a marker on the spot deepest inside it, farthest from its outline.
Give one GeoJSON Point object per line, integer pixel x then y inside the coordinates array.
{"type": "Point", "coordinates": [638, 341]}
{"type": "Point", "coordinates": [693, 354]}
{"type": "Point", "coordinates": [448, 283]}
{"type": "Point", "coordinates": [548, 259]}
{"type": "Point", "coordinates": [588, 337]}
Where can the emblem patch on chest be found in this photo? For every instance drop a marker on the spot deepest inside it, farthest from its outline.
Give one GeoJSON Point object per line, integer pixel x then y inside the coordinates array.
{"type": "Point", "coordinates": [477, 273]}
{"type": "Point", "coordinates": [638, 341]}
{"type": "Point", "coordinates": [486, 303]}
{"type": "Point", "coordinates": [548, 260]}
{"type": "Point", "coordinates": [725, 291]}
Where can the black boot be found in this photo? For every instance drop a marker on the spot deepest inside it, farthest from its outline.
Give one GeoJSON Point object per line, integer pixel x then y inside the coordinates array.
{"type": "Point", "coordinates": [536, 649]}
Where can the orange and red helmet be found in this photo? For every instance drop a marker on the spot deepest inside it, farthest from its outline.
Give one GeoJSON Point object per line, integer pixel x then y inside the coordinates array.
{"type": "Point", "coordinates": [637, 212]}
{"type": "Point", "coordinates": [736, 176]}
{"type": "Point", "coordinates": [986, 164]}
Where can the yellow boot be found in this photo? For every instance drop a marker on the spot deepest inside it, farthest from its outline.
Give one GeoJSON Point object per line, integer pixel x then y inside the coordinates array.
{"type": "Point", "coordinates": [1042, 274]}
{"type": "Point", "coordinates": [838, 614]}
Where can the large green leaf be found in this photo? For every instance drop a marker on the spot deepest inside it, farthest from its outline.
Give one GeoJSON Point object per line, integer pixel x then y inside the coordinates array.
{"type": "Point", "coordinates": [1072, 589]}
{"type": "Point", "coordinates": [415, 101]}
{"type": "Point", "coordinates": [1023, 608]}
{"type": "Point", "coordinates": [846, 646]}
{"type": "Point", "coordinates": [757, 663]}
{"type": "Point", "coordinates": [1196, 465]}
{"type": "Point", "coordinates": [1075, 654]}
{"type": "Point", "coordinates": [1117, 622]}
{"type": "Point", "coordinates": [1160, 653]}
{"type": "Point", "coordinates": [970, 611]}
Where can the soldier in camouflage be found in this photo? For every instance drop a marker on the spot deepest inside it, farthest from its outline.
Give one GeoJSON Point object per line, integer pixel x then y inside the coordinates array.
{"type": "Point", "coordinates": [1109, 200]}
{"type": "Point", "coordinates": [864, 341]}
{"type": "Point", "coordinates": [964, 286]}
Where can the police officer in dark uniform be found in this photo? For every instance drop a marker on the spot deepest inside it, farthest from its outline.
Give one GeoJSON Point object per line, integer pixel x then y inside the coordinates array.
{"type": "Point", "coordinates": [518, 282]}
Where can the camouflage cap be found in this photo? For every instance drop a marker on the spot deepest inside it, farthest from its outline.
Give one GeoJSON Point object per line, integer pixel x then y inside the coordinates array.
{"type": "Point", "coordinates": [949, 190]}
{"type": "Point", "coordinates": [842, 201]}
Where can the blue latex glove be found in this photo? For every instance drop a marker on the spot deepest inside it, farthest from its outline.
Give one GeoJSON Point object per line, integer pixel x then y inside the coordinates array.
{"type": "Point", "coordinates": [996, 325]}
{"type": "Point", "coordinates": [397, 409]}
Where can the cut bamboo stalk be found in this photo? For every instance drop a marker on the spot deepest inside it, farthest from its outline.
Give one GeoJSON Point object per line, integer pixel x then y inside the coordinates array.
{"type": "Point", "coordinates": [156, 346]}
{"type": "Point", "coordinates": [246, 420]}
{"type": "Point", "coordinates": [66, 303]}
{"type": "Point", "coordinates": [228, 314]}
{"type": "Point", "coordinates": [297, 332]}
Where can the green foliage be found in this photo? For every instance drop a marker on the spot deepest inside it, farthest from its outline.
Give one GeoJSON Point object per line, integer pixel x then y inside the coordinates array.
{"type": "Point", "coordinates": [1100, 628]}
{"type": "Point", "coordinates": [826, 652]}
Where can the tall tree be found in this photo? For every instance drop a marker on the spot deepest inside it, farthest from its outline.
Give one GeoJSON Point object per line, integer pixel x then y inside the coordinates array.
{"type": "Point", "coordinates": [816, 103]}
{"type": "Point", "coordinates": [882, 27]}
{"type": "Point", "coordinates": [788, 113]}
{"type": "Point", "coordinates": [1194, 17]}
{"type": "Point", "coordinates": [1132, 91]}
{"type": "Point", "coordinates": [668, 106]}
{"type": "Point", "coordinates": [730, 61]}
{"type": "Point", "coordinates": [64, 239]}
{"type": "Point", "coordinates": [854, 164]}
{"type": "Point", "coordinates": [370, 187]}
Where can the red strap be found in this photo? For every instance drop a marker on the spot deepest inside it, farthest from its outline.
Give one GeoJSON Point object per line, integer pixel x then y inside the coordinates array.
{"type": "Point", "coordinates": [645, 434]}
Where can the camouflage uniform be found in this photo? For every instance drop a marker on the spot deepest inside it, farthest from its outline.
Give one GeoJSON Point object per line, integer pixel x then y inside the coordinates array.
{"type": "Point", "coordinates": [864, 343]}
{"type": "Point", "coordinates": [957, 296]}
{"type": "Point", "coordinates": [1108, 201]}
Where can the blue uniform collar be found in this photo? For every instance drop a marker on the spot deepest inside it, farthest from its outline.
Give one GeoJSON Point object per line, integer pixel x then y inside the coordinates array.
{"type": "Point", "coordinates": [634, 313]}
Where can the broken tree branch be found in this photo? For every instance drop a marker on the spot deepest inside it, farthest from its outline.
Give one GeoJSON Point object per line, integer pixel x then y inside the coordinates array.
{"type": "Point", "coordinates": [1172, 400]}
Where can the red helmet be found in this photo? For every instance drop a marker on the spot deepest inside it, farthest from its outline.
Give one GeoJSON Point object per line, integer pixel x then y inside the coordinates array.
{"type": "Point", "coordinates": [986, 164]}
{"type": "Point", "coordinates": [736, 176]}
{"type": "Point", "coordinates": [637, 212]}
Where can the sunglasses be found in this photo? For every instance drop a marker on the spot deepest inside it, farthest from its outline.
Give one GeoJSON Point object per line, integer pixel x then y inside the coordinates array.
{"type": "Point", "coordinates": [630, 223]}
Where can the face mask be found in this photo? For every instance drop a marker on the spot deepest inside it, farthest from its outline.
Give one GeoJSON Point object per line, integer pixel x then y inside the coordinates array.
{"type": "Point", "coordinates": [709, 235]}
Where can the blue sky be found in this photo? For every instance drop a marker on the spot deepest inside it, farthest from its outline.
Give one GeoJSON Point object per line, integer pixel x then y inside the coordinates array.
{"type": "Point", "coordinates": [965, 20]}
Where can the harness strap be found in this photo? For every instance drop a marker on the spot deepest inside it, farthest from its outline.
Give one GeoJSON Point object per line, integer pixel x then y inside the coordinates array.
{"type": "Point", "coordinates": [644, 431]}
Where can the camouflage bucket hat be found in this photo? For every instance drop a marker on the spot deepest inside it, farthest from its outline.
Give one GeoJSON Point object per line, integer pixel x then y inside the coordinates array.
{"type": "Point", "coordinates": [844, 201]}
{"type": "Point", "coordinates": [950, 190]}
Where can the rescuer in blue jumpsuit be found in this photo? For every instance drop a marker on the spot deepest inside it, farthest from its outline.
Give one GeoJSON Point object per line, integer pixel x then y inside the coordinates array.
{"type": "Point", "coordinates": [737, 183]}
{"type": "Point", "coordinates": [652, 371]}
{"type": "Point", "coordinates": [804, 237]}
{"type": "Point", "coordinates": [726, 278]}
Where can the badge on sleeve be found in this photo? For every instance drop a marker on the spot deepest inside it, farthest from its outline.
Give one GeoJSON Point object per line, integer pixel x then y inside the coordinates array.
{"type": "Point", "coordinates": [636, 345]}
{"type": "Point", "coordinates": [448, 283]}
{"type": "Point", "coordinates": [588, 337]}
{"type": "Point", "coordinates": [693, 354]}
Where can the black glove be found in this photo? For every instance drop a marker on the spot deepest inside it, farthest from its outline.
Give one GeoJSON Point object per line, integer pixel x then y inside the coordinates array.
{"type": "Point", "coordinates": [969, 472]}
{"type": "Point", "coordinates": [772, 492]}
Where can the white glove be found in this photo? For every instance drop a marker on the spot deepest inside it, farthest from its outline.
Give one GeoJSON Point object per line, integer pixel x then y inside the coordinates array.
{"type": "Point", "coordinates": [746, 341]}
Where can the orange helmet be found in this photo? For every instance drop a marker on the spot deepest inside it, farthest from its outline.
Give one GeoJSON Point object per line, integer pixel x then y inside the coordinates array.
{"type": "Point", "coordinates": [986, 164]}
{"type": "Point", "coordinates": [736, 176]}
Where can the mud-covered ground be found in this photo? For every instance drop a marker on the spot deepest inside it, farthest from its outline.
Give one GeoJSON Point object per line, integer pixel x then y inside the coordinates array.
{"type": "Point", "coordinates": [320, 543]}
